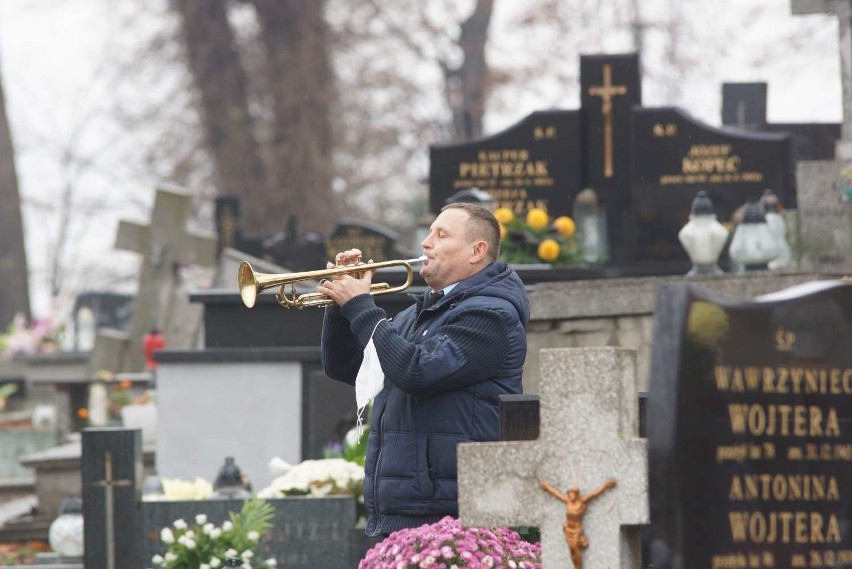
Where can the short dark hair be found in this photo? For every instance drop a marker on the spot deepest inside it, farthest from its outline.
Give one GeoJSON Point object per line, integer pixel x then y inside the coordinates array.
{"type": "Point", "coordinates": [484, 226]}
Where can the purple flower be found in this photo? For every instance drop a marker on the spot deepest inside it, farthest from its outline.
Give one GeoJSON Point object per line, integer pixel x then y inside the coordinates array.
{"type": "Point", "coordinates": [447, 544]}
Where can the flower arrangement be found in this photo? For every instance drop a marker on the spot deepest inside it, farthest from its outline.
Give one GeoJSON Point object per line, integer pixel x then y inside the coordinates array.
{"type": "Point", "coordinates": [536, 238]}
{"type": "Point", "coordinates": [177, 489]}
{"type": "Point", "coordinates": [323, 477]}
{"type": "Point", "coordinates": [207, 546]}
{"type": "Point", "coordinates": [446, 545]}
{"type": "Point", "coordinates": [116, 394]}
{"type": "Point", "coordinates": [42, 336]}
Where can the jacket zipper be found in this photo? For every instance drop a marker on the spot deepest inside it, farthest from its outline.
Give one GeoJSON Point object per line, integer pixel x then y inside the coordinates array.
{"type": "Point", "coordinates": [376, 512]}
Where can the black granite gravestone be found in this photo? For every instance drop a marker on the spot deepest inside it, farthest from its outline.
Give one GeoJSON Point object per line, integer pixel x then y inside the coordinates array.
{"type": "Point", "coordinates": [675, 157]}
{"type": "Point", "coordinates": [375, 241]}
{"type": "Point", "coordinates": [536, 163]}
{"type": "Point", "coordinates": [112, 469]}
{"type": "Point", "coordinates": [610, 87]}
{"type": "Point", "coordinates": [750, 429]}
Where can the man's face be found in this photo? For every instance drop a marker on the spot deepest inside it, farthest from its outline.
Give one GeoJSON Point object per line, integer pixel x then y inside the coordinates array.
{"type": "Point", "coordinates": [450, 254]}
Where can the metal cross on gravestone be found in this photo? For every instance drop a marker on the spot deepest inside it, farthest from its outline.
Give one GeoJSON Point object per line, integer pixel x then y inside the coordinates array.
{"type": "Point", "coordinates": [843, 10]}
{"type": "Point", "coordinates": [111, 464]}
{"type": "Point", "coordinates": [589, 434]}
{"type": "Point", "coordinates": [165, 244]}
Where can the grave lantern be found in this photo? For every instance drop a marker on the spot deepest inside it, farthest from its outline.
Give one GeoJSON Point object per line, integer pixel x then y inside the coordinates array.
{"type": "Point", "coordinates": [229, 482]}
{"type": "Point", "coordinates": [591, 223]}
{"type": "Point", "coordinates": [153, 340]}
{"type": "Point", "coordinates": [703, 237]}
{"type": "Point", "coordinates": [65, 534]}
{"type": "Point", "coordinates": [754, 244]}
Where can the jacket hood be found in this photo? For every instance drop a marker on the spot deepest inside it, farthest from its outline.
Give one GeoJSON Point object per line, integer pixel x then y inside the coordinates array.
{"type": "Point", "coordinates": [498, 280]}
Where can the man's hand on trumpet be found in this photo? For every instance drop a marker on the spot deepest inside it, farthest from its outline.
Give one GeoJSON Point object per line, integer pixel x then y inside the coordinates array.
{"type": "Point", "coordinates": [344, 287]}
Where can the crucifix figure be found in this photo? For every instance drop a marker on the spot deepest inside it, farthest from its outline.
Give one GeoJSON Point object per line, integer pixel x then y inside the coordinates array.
{"type": "Point", "coordinates": [575, 509]}
{"type": "Point", "coordinates": [607, 92]}
{"type": "Point", "coordinates": [108, 483]}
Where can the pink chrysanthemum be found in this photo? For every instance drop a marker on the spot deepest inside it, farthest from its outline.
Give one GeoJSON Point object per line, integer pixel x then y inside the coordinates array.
{"type": "Point", "coordinates": [447, 545]}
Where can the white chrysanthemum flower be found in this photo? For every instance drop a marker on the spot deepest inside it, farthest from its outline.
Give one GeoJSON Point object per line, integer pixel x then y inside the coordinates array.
{"type": "Point", "coordinates": [170, 556]}
{"type": "Point", "coordinates": [253, 536]}
{"type": "Point", "coordinates": [166, 536]}
{"type": "Point", "coordinates": [182, 540]}
{"type": "Point", "coordinates": [176, 489]}
{"type": "Point", "coordinates": [227, 526]}
{"type": "Point", "coordinates": [180, 524]}
{"type": "Point", "coordinates": [190, 544]}
{"type": "Point", "coordinates": [214, 562]}
{"type": "Point", "coordinates": [231, 553]}
{"type": "Point", "coordinates": [201, 519]}
{"type": "Point", "coordinates": [271, 562]}
{"type": "Point", "coordinates": [157, 560]}
{"type": "Point", "coordinates": [204, 566]}
{"type": "Point", "coordinates": [247, 554]}
{"type": "Point", "coordinates": [318, 478]}
{"type": "Point", "coordinates": [215, 533]}
{"type": "Point", "coordinates": [207, 529]}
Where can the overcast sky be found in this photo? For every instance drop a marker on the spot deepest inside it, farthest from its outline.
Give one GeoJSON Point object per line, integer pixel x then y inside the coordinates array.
{"type": "Point", "coordinates": [51, 52]}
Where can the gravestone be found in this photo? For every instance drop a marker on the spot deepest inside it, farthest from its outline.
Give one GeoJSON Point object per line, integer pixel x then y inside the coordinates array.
{"type": "Point", "coordinates": [537, 163]}
{"type": "Point", "coordinates": [676, 156]}
{"type": "Point", "coordinates": [824, 206]}
{"type": "Point", "coordinates": [375, 241]}
{"type": "Point", "coordinates": [750, 428]}
{"type": "Point", "coordinates": [644, 165]}
{"type": "Point", "coordinates": [111, 474]}
{"type": "Point", "coordinates": [160, 302]}
{"type": "Point", "coordinates": [588, 435]}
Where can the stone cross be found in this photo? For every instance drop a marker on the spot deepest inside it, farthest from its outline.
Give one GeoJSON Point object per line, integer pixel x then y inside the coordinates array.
{"type": "Point", "coordinates": [165, 244]}
{"type": "Point", "coordinates": [843, 10]}
{"type": "Point", "coordinates": [588, 435]}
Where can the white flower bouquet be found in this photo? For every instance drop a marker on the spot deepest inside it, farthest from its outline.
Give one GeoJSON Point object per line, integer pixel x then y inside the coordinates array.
{"type": "Point", "coordinates": [324, 477]}
{"type": "Point", "coordinates": [207, 546]}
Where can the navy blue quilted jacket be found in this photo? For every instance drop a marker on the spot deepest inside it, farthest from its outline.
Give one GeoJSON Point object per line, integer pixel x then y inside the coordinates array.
{"type": "Point", "coordinates": [444, 368]}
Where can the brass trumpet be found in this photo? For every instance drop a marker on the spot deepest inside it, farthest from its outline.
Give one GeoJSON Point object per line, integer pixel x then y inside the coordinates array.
{"type": "Point", "coordinates": [252, 283]}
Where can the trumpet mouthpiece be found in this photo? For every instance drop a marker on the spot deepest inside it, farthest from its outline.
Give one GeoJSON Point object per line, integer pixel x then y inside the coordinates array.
{"type": "Point", "coordinates": [419, 259]}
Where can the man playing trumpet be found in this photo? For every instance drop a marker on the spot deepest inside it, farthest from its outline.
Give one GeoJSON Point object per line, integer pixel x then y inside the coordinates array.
{"type": "Point", "coordinates": [444, 361]}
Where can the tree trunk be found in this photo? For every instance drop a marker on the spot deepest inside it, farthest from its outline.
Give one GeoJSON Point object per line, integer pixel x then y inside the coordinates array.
{"type": "Point", "coordinates": [15, 293]}
{"type": "Point", "coordinates": [471, 77]}
{"type": "Point", "coordinates": [296, 40]}
{"type": "Point", "coordinates": [222, 83]}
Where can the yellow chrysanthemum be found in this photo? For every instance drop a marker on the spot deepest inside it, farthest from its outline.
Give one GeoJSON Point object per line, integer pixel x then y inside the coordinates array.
{"type": "Point", "coordinates": [564, 226]}
{"type": "Point", "coordinates": [502, 231]}
{"type": "Point", "coordinates": [537, 218]}
{"type": "Point", "coordinates": [548, 250]}
{"type": "Point", "coordinates": [504, 215]}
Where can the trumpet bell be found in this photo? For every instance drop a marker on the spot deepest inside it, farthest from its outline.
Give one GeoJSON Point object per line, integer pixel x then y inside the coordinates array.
{"type": "Point", "coordinates": [248, 285]}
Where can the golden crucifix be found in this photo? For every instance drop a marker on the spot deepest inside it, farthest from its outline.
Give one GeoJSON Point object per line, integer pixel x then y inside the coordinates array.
{"type": "Point", "coordinates": [575, 509]}
{"type": "Point", "coordinates": [606, 92]}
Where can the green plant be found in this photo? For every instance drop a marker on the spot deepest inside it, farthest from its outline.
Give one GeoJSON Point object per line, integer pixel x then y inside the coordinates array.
{"type": "Point", "coordinates": [207, 546]}
{"type": "Point", "coordinates": [537, 238]}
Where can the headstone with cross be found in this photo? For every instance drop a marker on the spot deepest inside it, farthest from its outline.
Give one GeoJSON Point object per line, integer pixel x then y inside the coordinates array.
{"type": "Point", "coordinates": [165, 245]}
{"type": "Point", "coordinates": [588, 435]}
{"type": "Point", "coordinates": [111, 477]}
{"type": "Point", "coordinates": [825, 187]}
